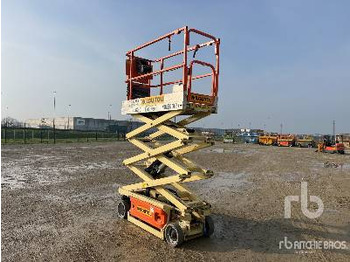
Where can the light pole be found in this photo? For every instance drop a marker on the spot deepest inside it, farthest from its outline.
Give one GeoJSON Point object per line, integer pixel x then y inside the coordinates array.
{"type": "Point", "coordinates": [110, 112]}
{"type": "Point", "coordinates": [281, 128]}
{"type": "Point", "coordinates": [54, 115]}
{"type": "Point", "coordinates": [7, 116]}
{"type": "Point", "coordinates": [6, 123]}
{"type": "Point", "coordinates": [109, 118]}
{"type": "Point", "coordinates": [334, 140]}
{"type": "Point", "coordinates": [68, 114]}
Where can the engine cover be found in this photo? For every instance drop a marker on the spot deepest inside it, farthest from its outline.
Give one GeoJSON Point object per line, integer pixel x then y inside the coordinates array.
{"type": "Point", "coordinates": [148, 213]}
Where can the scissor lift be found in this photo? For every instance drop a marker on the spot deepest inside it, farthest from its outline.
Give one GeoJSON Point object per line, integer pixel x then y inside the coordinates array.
{"type": "Point", "coordinates": [161, 203]}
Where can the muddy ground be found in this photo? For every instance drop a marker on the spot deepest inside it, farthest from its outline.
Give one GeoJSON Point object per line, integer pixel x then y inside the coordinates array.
{"type": "Point", "coordinates": [59, 204]}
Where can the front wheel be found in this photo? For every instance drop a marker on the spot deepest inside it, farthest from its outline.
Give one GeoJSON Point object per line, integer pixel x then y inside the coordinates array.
{"type": "Point", "coordinates": [174, 235]}
{"type": "Point", "coordinates": [123, 208]}
{"type": "Point", "coordinates": [208, 226]}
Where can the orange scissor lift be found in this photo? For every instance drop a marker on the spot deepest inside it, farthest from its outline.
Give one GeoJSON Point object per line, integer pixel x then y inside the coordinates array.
{"type": "Point", "coordinates": [161, 203]}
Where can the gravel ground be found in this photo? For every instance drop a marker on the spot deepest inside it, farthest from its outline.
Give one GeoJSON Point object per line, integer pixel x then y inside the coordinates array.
{"type": "Point", "coordinates": [59, 204]}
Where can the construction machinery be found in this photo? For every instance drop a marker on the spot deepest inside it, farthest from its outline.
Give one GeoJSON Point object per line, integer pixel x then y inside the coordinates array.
{"type": "Point", "coordinates": [228, 137]}
{"type": "Point", "coordinates": [305, 141]}
{"type": "Point", "coordinates": [161, 203]}
{"type": "Point", "coordinates": [345, 139]}
{"type": "Point", "coordinates": [248, 136]}
{"type": "Point", "coordinates": [268, 139]}
{"type": "Point", "coordinates": [331, 144]}
{"type": "Point", "coordinates": [286, 140]}
{"type": "Point", "coordinates": [328, 145]}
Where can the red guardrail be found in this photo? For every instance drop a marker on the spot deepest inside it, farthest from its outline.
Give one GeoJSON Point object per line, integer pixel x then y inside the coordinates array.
{"type": "Point", "coordinates": [140, 70]}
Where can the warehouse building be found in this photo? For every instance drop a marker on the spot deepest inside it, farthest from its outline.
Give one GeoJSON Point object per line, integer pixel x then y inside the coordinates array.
{"type": "Point", "coordinates": [83, 124]}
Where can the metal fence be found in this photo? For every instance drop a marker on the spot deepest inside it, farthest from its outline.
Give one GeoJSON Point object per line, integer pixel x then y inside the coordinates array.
{"type": "Point", "coordinates": [35, 135]}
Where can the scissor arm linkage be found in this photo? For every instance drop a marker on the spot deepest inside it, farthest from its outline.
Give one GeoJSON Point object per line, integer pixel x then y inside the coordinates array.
{"type": "Point", "coordinates": [170, 155]}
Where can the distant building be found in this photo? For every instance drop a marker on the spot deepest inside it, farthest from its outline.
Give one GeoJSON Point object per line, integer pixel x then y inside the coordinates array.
{"type": "Point", "coordinates": [45, 122]}
{"type": "Point", "coordinates": [214, 131]}
{"type": "Point", "coordinates": [232, 131]}
{"type": "Point", "coordinates": [84, 124]}
{"type": "Point", "coordinates": [238, 131]}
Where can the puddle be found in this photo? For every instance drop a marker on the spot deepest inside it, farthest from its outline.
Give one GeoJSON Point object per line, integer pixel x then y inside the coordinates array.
{"type": "Point", "coordinates": [332, 165]}
{"type": "Point", "coordinates": [13, 182]}
{"type": "Point", "coordinates": [23, 173]}
{"type": "Point", "coordinates": [295, 176]}
{"type": "Point", "coordinates": [330, 211]}
{"type": "Point", "coordinates": [221, 183]}
{"type": "Point", "coordinates": [223, 150]}
{"type": "Point", "coordinates": [225, 181]}
{"type": "Point", "coordinates": [216, 150]}
{"type": "Point", "coordinates": [344, 167]}
{"type": "Point", "coordinates": [15, 177]}
{"type": "Point", "coordinates": [230, 151]}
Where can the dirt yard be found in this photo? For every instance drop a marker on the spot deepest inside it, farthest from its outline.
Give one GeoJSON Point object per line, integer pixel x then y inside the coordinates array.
{"type": "Point", "coordinates": [59, 204]}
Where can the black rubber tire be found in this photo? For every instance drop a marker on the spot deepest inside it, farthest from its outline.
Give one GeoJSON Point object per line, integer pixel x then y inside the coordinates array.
{"type": "Point", "coordinates": [208, 226]}
{"type": "Point", "coordinates": [174, 235]}
{"type": "Point", "coordinates": [123, 208]}
{"type": "Point", "coordinates": [341, 152]}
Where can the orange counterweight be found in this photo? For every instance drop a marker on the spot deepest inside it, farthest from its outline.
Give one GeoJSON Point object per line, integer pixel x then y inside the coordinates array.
{"type": "Point", "coordinates": [148, 213]}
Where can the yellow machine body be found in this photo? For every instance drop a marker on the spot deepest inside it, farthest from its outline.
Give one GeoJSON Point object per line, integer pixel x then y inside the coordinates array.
{"type": "Point", "coordinates": [161, 203]}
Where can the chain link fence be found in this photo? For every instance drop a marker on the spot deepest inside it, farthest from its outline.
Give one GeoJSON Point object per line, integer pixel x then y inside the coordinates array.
{"type": "Point", "coordinates": [48, 136]}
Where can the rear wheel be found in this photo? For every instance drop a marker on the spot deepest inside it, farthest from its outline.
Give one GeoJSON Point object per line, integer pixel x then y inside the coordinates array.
{"type": "Point", "coordinates": [174, 235]}
{"type": "Point", "coordinates": [341, 152]}
{"type": "Point", "coordinates": [208, 226]}
{"type": "Point", "coordinates": [123, 207]}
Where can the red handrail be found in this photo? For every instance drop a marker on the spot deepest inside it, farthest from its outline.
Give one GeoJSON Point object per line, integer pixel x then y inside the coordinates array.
{"type": "Point", "coordinates": [144, 80]}
{"type": "Point", "coordinates": [213, 74]}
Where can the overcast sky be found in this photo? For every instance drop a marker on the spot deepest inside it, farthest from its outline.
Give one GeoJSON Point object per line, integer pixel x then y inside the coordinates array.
{"type": "Point", "coordinates": [281, 61]}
